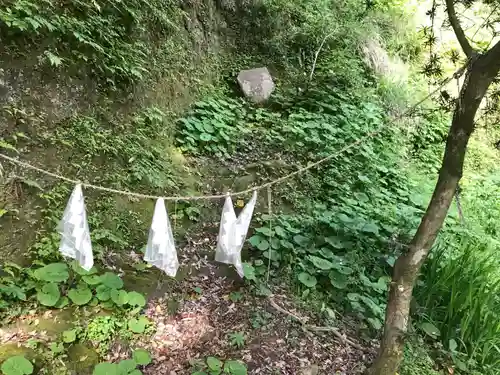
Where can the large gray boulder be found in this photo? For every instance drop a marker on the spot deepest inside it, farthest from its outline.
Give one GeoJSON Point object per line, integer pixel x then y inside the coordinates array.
{"type": "Point", "coordinates": [257, 84]}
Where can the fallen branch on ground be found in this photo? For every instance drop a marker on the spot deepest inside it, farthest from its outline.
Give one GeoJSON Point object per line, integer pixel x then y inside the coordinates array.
{"type": "Point", "coordinates": [309, 327]}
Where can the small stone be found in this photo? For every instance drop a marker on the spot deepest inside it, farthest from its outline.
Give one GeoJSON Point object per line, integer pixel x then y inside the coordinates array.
{"type": "Point", "coordinates": [257, 84]}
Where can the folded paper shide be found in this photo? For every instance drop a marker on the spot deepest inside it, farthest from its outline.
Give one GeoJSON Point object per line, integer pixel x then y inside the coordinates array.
{"type": "Point", "coordinates": [232, 233]}
{"type": "Point", "coordinates": [74, 230]}
{"type": "Point", "coordinates": [160, 250]}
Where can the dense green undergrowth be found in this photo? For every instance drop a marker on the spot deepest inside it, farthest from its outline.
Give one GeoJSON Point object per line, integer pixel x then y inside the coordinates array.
{"type": "Point", "coordinates": [335, 231]}
{"type": "Point", "coordinates": [115, 42]}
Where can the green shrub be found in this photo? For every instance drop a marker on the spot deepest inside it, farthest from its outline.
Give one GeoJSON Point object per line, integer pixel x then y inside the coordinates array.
{"type": "Point", "coordinates": [108, 38]}
{"type": "Point", "coordinates": [459, 294]}
{"type": "Point", "coordinates": [214, 126]}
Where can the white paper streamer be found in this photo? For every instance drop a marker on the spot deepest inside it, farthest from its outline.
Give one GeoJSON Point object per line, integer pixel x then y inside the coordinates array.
{"type": "Point", "coordinates": [160, 250]}
{"type": "Point", "coordinates": [74, 229]}
{"type": "Point", "coordinates": [232, 233]}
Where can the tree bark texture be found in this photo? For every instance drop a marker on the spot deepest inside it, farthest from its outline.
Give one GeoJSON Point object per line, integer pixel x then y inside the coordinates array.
{"type": "Point", "coordinates": [479, 75]}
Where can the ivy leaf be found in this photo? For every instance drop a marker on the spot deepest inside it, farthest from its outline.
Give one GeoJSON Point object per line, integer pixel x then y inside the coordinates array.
{"type": "Point", "coordinates": [136, 299]}
{"type": "Point", "coordinates": [307, 279]}
{"type": "Point", "coordinates": [141, 357]}
{"type": "Point", "coordinates": [321, 263]}
{"type": "Point", "coordinates": [80, 296]}
{"type": "Point", "coordinates": [49, 294]}
{"type": "Point", "coordinates": [55, 272]}
{"type": "Point", "coordinates": [112, 280]}
{"type": "Point", "coordinates": [17, 365]}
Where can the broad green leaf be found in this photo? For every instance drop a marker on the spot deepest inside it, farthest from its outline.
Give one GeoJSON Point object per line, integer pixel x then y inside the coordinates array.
{"type": "Point", "coordinates": [321, 263]}
{"type": "Point", "coordinates": [255, 240]}
{"type": "Point", "coordinates": [235, 368]}
{"type": "Point", "coordinates": [273, 255]}
{"type": "Point", "coordinates": [62, 302]}
{"type": "Point", "coordinates": [363, 178]}
{"type": "Point", "coordinates": [92, 279]}
{"type": "Point", "coordinates": [69, 336]}
{"type": "Point", "coordinates": [214, 363]}
{"type": "Point", "coordinates": [300, 240]}
{"type": "Point", "coordinates": [141, 357]}
{"type": "Point", "coordinates": [208, 127]}
{"type": "Point", "coordinates": [263, 245]}
{"type": "Point", "coordinates": [135, 372]}
{"type": "Point", "coordinates": [56, 347]}
{"type": "Point", "coordinates": [345, 270]}
{"type": "Point", "coordinates": [452, 345]}
{"type": "Point", "coordinates": [49, 294]}
{"type": "Point", "coordinates": [138, 325]}
{"type": "Point", "coordinates": [370, 228]}
{"type": "Point", "coordinates": [55, 272]}
{"type": "Point", "coordinates": [338, 280]}
{"type": "Point", "coordinates": [106, 368]}
{"type": "Point", "coordinates": [80, 296]}
{"type": "Point", "coordinates": [335, 242]}
{"type": "Point", "coordinates": [361, 197]}
{"type": "Point", "coordinates": [136, 299]}
{"type": "Point", "coordinates": [265, 231]}
{"type": "Point", "coordinates": [126, 366]}
{"type": "Point", "coordinates": [307, 279]}
{"type": "Point", "coordinates": [103, 293]}
{"type": "Point", "coordinates": [375, 323]}
{"type": "Point", "coordinates": [120, 297]}
{"type": "Point", "coordinates": [280, 231]}
{"type": "Point", "coordinates": [249, 271]}
{"type": "Point", "coordinates": [82, 272]}
{"type": "Point", "coordinates": [112, 280]}
{"type": "Point", "coordinates": [430, 329]}
{"type": "Point", "coordinates": [344, 218]}
{"type": "Point", "coordinates": [205, 137]}
{"type": "Point", "coordinates": [353, 296]}
{"type": "Point", "coordinates": [17, 365]}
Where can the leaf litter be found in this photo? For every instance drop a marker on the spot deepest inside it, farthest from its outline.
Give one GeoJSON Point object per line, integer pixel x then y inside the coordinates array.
{"type": "Point", "coordinates": [205, 316]}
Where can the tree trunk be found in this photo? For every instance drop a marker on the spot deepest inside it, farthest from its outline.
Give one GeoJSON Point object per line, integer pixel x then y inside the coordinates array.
{"type": "Point", "coordinates": [479, 76]}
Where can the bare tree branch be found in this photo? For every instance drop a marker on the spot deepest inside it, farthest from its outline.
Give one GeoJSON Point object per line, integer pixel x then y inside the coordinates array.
{"type": "Point", "coordinates": [457, 28]}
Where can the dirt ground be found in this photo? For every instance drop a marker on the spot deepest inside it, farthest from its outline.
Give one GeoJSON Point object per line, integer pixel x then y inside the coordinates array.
{"type": "Point", "coordinates": [217, 305]}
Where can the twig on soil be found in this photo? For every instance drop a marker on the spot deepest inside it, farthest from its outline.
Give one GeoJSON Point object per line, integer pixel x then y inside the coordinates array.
{"type": "Point", "coordinates": [309, 327]}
